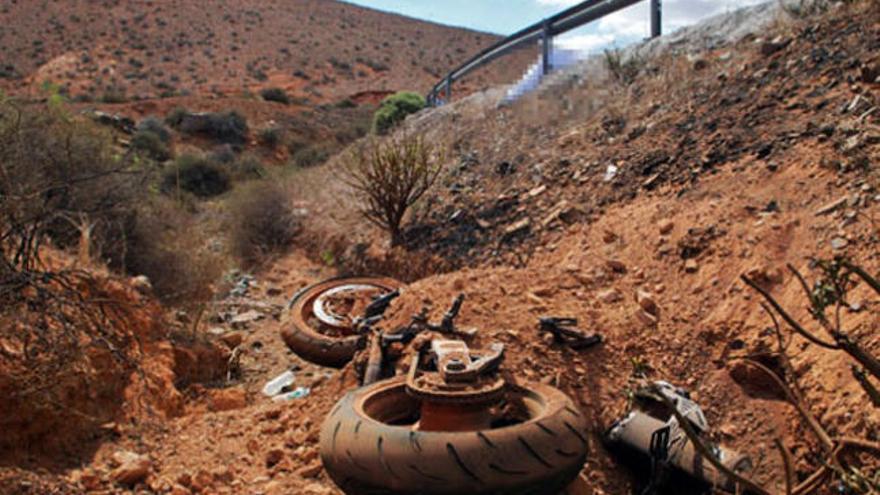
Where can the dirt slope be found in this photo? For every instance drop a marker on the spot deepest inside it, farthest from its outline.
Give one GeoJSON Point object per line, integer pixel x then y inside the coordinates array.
{"type": "Point", "coordinates": [322, 50]}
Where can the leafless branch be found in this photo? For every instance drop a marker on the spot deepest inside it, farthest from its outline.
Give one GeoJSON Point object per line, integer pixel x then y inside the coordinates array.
{"type": "Point", "coordinates": [785, 316]}
{"type": "Point", "coordinates": [786, 461]}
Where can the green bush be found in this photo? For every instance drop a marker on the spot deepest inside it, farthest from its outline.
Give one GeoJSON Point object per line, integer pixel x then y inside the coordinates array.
{"type": "Point", "coordinates": [275, 94]}
{"type": "Point", "coordinates": [175, 117]}
{"type": "Point", "coordinates": [226, 127]}
{"type": "Point", "coordinates": [270, 137]}
{"type": "Point", "coordinates": [197, 175]}
{"type": "Point", "coordinates": [151, 144]}
{"type": "Point", "coordinates": [395, 108]}
{"type": "Point", "coordinates": [157, 127]}
{"type": "Point", "coordinates": [248, 167]}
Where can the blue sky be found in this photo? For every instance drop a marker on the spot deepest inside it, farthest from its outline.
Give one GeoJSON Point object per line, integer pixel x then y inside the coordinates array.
{"type": "Point", "coordinates": [508, 16]}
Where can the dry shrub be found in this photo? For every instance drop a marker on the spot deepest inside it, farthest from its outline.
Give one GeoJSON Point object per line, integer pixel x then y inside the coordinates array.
{"type": "Point", "coordinates": [61, 179]}
{"type": "Point", "coordinates": [624, 69]}
{"type": "Point", "coordinates": [166, 247]}
{"type": "Point", "coordinates": [388, 177]}
{"type": "Point", "coordinates": [262, 221]}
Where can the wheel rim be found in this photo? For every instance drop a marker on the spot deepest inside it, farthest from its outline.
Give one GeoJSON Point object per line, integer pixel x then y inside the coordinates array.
{"type": "Point", "coordinates": [332, 310]}
{"type": "Point", "coordinates": [391, 405]}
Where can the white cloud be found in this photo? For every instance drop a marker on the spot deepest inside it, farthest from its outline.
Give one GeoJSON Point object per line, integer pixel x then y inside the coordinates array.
{"type": "Point", "coordinates": [559, 3]}
{"type": "Point", "coordinates": [584, 42]}
{"type": "Point", "coordinates": [633, 23]}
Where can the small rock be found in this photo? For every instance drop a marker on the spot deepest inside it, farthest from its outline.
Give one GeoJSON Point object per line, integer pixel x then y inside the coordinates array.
{"type": "Point", "coordinates": [520, 226]}
{"type": "Point", "coordinates": [310, 471]}
{"type": "Point", "coordinates": [133, 468]}
{"type": "Point", "coordinates": [771, 47]}
{"type": "Point", "coordinates": [90, 480]}
{"type": "Point", "coordinates": [608, 237]}
{"type": "Point", "coordinates": [665, 226]}
{"type": "Point", "coordinates": [537, 191]}
{"type": "Point", "coordinates": [232, 339]}
{"type": "Point", "coordinates": [839, 243]}
{"type": "Point", "coordinates": [142, 284]}
{"type": "Point", "coordinates": [228, 399]}
{"type": "Point", "coordinates": [616, 265]}
{"type": "Point", "coordinates": [201, 482]}
{"type": "Point", "coordinates": [179, 490]}
{"type": "Point", "coordinates": [273, 457]}
{"type": "Point", "coordinates": [870, 72]}
{"type": "Point", "coordinates": [766, 276]}
{"type": "Point", "coordinates": [646, 318]}
{"type": "Point", "coordinates": [610, 296]}
{"type": "Point", "coordinates": [246, 318]}
{"type": "Point", "coordinates": [691, 266]}
{"type": "Point", "coordinates": [647, 302]}
{"type": "Point", "coordinates": [548, 339]}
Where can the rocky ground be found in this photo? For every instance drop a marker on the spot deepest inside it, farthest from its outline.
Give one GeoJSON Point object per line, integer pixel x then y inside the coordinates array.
{"type": "Point", "coordinates": [638, 220]}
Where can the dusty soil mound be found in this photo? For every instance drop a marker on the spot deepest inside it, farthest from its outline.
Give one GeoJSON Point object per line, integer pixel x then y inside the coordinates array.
{"type": "Point", "coordinates": [92, 352]}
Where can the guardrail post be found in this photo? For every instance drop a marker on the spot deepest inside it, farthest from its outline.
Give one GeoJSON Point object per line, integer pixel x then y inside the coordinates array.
{"type": "Point", "coordinates": [547, 48]}
{"type": "Point", "coordinates": [656, 18]}
{"type": "Point", "coordinates": [449, 88]}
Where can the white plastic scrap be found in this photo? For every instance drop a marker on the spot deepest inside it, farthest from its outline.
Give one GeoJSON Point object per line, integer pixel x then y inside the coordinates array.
{"type": "Point", "coordinates": [279, 384]}
{"type": "Point", "coordinates": [299, 393]}
{"type": "Point", "coordinates": [611, 173]}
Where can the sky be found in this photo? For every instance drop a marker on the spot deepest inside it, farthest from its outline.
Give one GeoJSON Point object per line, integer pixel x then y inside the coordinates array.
{"type": "Point", "coordinates": [508, 16]}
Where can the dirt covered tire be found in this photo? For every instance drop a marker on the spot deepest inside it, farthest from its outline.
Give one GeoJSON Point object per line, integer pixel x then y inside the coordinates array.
{"type": "Point", "coordinates": [365, 451]}
{"type": "Point", "coordinates": [313, 346]}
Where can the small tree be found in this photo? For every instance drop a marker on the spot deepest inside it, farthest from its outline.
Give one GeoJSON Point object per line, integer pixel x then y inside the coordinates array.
{"type": "Point", "coordinates": [389, 177]}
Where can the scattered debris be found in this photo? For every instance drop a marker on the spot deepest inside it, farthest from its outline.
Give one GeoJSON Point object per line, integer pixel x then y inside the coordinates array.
{"type": "Point", "coordinates": [610, 173]}
{"type": "Point", "coordinates": [652, 429]}
{"type": "Point", "coordinates": [279, 384]}
{"type": "Point", "coordinates": [563, 332]}
{"type": "Point", "coordinates": [297, 393]}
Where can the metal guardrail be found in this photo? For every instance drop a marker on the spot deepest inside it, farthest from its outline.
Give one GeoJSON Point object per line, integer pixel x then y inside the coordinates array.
{"type": "Point", "coordinates": [572, 18]}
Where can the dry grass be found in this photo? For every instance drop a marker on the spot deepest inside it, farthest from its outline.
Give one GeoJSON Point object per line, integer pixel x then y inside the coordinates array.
{"type": "Point", "coordinates": [262, 221]}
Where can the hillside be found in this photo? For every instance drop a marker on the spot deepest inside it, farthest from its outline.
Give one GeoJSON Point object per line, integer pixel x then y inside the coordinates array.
{"type": "Point", "coordinates": [320, 50]}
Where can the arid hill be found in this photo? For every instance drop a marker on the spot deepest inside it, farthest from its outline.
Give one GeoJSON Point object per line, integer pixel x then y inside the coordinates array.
{"type": "Point", "coordinates": [323, 50]}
